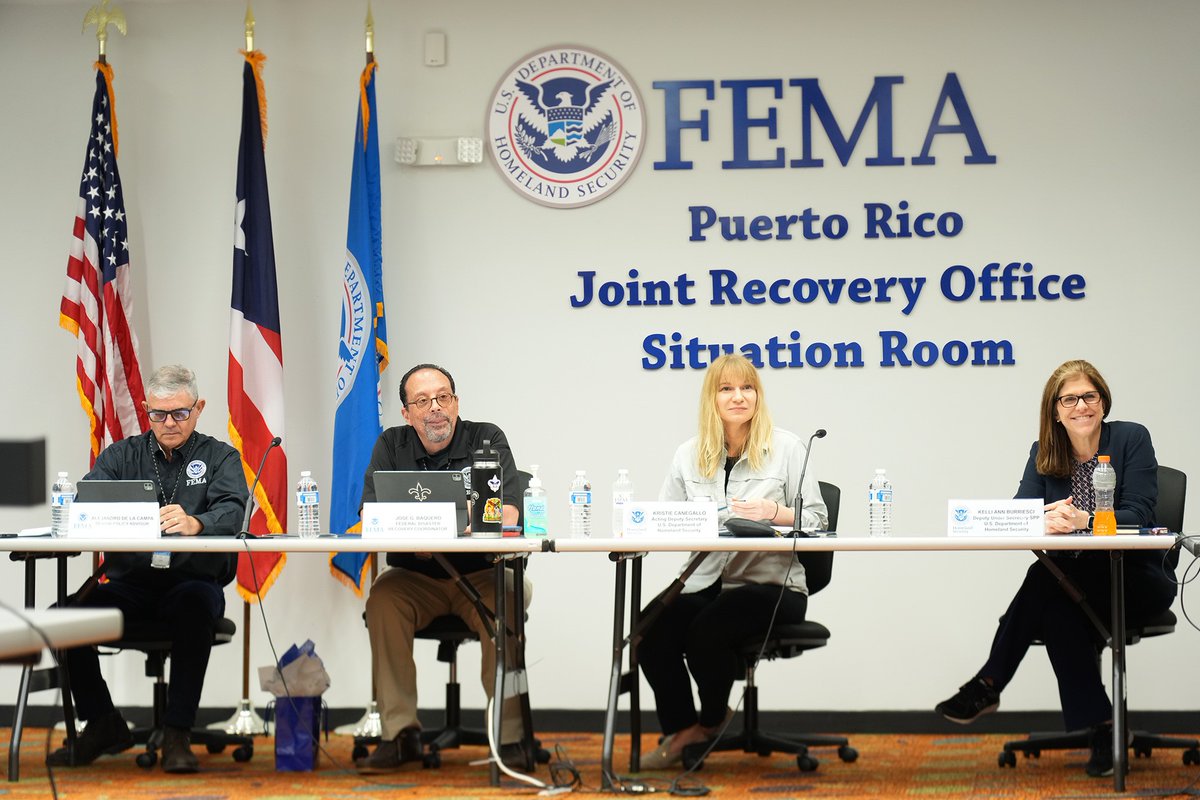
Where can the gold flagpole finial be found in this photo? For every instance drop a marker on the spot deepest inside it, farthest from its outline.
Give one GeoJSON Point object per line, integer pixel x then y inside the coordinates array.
{"type": "Point", "coordinates": [370, 34]}
{"type": "Point", "coordinates": [249, 28]}
{"type": "Point", "coordinates": [103, 15]}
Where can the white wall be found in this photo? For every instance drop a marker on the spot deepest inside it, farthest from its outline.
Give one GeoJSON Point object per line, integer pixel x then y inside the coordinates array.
{"type": "Point", "coordinates": [1090, 107]}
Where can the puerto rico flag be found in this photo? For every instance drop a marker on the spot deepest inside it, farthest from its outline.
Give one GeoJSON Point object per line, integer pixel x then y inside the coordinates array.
{"type": "Point", "coordinates": [96, 305]}
{"type": "Point", "coordinates": [255, 343]}
{"type": "Point", "coordinates": [362, 345]}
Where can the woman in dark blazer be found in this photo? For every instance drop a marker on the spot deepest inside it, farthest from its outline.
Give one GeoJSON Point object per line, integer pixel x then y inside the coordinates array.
{"type": "Point", "coordinates": [1073, 433]}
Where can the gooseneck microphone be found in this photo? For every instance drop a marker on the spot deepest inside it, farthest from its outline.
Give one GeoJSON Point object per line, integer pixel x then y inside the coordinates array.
{"type": "Point", "coordinates": [245, 532]}
{"type": "Point", "coordinates": [757, 528]}
{"type": "Point", "coordinates": [819, 433]}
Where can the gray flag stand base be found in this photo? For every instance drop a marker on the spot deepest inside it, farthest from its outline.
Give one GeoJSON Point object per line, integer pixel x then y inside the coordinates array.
{"type": "Point", "coordinates": [369, 726]}
{"type": "Point", "coordinates": [244, 722]}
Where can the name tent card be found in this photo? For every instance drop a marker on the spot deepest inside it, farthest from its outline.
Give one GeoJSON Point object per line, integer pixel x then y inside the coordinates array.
{"type": "Point", "coordinates": [409, 521]}
{"type": "Point", "coordinates": [113, 521]}
{"type": "Point", "coordinates": [995, 518]}
{"type": "Point", "coordinates": [670, 520]}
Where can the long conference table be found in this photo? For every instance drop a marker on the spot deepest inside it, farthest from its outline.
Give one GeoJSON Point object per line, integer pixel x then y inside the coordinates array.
{"type": "Point", "coordinates": [621, 549]}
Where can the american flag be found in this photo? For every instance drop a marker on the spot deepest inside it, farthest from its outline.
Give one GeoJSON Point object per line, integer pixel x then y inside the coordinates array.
{"type": "Point", "coordinates": [96, 305]}
{"type": "Point", "coordinates": [255, 341]}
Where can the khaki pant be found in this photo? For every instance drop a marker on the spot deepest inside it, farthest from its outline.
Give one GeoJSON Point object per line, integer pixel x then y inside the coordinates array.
{"type": "Point", "coordinates": [402, 602]}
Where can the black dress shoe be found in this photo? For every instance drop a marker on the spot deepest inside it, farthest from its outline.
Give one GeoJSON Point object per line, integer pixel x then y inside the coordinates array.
{"type": "Point", "coordinates": [177, 755]}
{"type": "Point", "coordinates": [515, 755]}
{"type": "Point", "coordinates": [106, 735]}
{"type": "Point", "coordinates": [392, 755]}
{"type": "Point", "coordinates": [1100, 760]}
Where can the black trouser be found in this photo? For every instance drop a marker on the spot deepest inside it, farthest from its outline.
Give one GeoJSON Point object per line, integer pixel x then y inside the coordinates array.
{"type": "Point", "coordinates": [1042, 611]}
{"type": "Point", "coordinates": [187, 609]}
{"type": "Point", "coordinates": [707, 627]}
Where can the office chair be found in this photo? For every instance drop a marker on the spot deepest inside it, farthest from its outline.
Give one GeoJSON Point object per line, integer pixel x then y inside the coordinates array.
{"type": "Point", "coordinates": [784, 641]}
{"type": "Point", "coordinates": [155, 641]}
{"type": "Point", "coordinates": [1172, 491]}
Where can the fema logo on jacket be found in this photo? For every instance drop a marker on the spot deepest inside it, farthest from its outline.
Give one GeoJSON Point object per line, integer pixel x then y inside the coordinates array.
{"type": "Point", "coordinates": [565, 126]}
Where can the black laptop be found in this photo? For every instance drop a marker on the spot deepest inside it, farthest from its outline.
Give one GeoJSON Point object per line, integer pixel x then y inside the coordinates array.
{"type": "Point", "coordinates": [419, 486]}
{"type": "Point", "coordinates": [138, 491]}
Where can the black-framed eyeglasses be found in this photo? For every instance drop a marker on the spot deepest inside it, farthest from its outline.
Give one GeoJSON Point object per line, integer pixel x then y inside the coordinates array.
{"type": "Point", "coordinates": [177, 414]}
{"type": "Point", "coordinates": [1072, 400]}
{"type": "Point", "coordinates": [443, 400]}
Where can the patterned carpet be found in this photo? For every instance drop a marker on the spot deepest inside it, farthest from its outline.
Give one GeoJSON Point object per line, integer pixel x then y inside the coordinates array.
{"type": "Point", "coordinates": [913, 766]}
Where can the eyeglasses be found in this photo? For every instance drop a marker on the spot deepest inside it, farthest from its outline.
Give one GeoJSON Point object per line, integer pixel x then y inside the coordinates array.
{"type": "Point", "coordinates": [178, 414]}
{"type": "Point", "coordinates": [443, 400]}
{"type": "Point", "coordinates": [1072, 400]}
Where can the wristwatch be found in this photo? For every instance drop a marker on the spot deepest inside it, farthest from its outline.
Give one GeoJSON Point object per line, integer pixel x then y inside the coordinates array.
{"type": "Point", "coordinates": [1091, 521]}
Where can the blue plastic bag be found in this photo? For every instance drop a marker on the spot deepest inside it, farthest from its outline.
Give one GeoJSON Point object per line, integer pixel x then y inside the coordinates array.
{"type": "Point", "coordinates": [297, 733]}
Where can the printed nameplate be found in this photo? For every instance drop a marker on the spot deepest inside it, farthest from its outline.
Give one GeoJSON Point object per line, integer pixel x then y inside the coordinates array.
{"type": "Point", "coordinates": [113, 521]}
{"type": "Point", "coordinates": [409, 521]}
{"type": "Point", "coordinates": [670, 520]}
{"type": "Point", "coordinates": [995, 518]}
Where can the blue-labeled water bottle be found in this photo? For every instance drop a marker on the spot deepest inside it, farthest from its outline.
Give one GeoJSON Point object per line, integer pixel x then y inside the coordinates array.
{"type": "Point", "coordinates": [62, 494]}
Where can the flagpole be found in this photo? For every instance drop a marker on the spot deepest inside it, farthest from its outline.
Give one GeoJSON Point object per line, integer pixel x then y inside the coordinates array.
{"type": "Point", "coordinates": [370, 725]}
{"type": "Point", "coordinates": [245, 720]}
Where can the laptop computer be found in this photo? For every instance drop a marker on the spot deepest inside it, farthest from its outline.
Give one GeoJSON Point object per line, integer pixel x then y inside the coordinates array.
{"type": "Point", "coordinates": [102, 491]}
{"type": "Point", "coordinates": [420, 486]}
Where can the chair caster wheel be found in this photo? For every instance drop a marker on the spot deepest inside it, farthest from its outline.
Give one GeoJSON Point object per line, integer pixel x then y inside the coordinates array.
{"type": "Point", "coordinates": [1142, 752]}
{"type": "Point", "coordinates": [806, 763]}
{"type": "Point", "coordinates": [847, 754]}
{"type": "Point", "coordinates": [213, 748]}
{"type": "Point", "coordinates": [243, 754]}
{"type": "Point", "coordinates": [541, 755]}
{"type": "Point", "coordinates": [359, 751]}
{"type": "Point", "coordinates": [1191, 757]}
{"type": "Point", "coordinates": [146, 760]}
{"type": "Point", "coordinates": [432, 760]}
{"type": "Point", "coordinates": [692, 762]}
{"type": "Point", "coordinates": [1007, 758]}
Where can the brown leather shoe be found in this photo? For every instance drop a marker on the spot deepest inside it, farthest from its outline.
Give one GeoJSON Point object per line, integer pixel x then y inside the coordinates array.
{"type": "Point", "coordinates": [104, 735]}
{"type": "Point", "coordinates": [392, 755]}
{"type": "Point", "coordinates": [177, 755]}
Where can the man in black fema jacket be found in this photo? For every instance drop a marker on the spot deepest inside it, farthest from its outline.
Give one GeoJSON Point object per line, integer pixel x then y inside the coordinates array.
{"type": "Point", "coordinates": [201, 492]}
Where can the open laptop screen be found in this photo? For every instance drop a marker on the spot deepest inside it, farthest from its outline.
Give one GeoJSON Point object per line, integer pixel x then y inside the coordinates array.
{"type": "Point", "coordinates": [421, 486]}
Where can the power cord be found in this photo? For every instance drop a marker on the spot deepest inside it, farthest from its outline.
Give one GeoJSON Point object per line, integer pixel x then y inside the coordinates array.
{"type": "Point", "coordinates": [1190, 572]}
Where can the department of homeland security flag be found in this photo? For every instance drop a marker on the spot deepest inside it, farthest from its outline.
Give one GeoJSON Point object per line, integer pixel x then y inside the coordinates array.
{"type": "Point", "coordinates": [362, 349]}
{"type": "Point", "coordinates": [95, 304]}
{"type": "Point", "coordinates": [255, 343]}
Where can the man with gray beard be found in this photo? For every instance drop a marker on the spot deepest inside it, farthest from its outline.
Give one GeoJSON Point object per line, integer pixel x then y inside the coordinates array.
{"type": "Point", "coordinates": [416, 590]}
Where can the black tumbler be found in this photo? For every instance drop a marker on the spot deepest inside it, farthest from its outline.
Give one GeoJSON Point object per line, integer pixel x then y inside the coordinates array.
{"type": "Point", "coordinates": [487, 482]}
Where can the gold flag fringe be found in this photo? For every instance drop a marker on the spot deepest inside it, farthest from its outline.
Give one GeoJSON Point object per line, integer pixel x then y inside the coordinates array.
{"type": "Point", "coordinates": [256, 59]}
{"type": "Point", "coordinates": [363, 80]}
{"type": "Point", "coordinates": [107, 69]}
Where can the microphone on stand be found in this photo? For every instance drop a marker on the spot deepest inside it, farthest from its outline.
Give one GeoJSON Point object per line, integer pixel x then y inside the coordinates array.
{"type": "Point", "coordinates": [819, 433]}
{"type": "Point", "coordinates": [245, 532]}
{"type": "Point", "coordinates": [755, 528]}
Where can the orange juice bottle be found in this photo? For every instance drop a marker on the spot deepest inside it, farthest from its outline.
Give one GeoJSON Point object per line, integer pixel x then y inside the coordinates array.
{"type": "Point", "coordinates": [1104, 481]}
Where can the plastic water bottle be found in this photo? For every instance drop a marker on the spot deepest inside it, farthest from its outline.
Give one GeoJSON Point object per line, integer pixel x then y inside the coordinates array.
{"type": "Point", "coordinates": [535, 511]}
{"type": "Point", "coordinates": [62, 494]}
{"type": "Point", "coordinates": [308, 506]}
{"type": "Point", "coordinates": [879, 505]}
{"type": "Point", "coordinates": [622, 493]}
{"type": "Point", "coordinates": [581, 505]}
{"type": "Point", "coordinates": [1104, 481]}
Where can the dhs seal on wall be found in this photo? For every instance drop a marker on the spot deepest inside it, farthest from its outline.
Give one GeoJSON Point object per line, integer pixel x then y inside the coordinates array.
{"type": "Point", "coordinates": [565, 126]}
